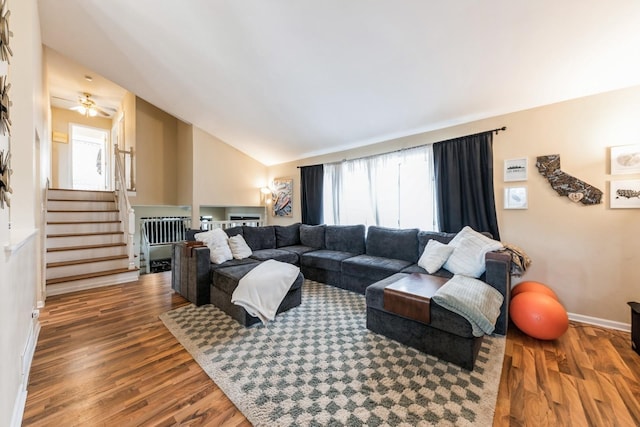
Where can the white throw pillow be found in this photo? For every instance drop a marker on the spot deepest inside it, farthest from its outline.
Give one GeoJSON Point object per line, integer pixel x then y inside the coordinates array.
{"type": "Point", "coordinates": [219, 254]}
{"type": "Point", "coordinates": [468, 254]}
{"type": "Point", "coordinates": [215, 237]}
{"type": "Point", "coordinates": [434, 256]}
{"type": "Point", "coordinates": [239, 247]}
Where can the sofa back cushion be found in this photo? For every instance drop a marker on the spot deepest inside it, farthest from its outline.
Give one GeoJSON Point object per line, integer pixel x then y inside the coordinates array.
{"type": "Point", "coordinates": [190, 234]}
{"type": "Point", "coordinates": [312, 235]}
{"type": "Point", "coordinates": [259, 237]}
{"type": "Point", "coordinates": [425, 236]}
{"type": "Point", "coordinates": [345, 238]}
{"type": "Point", "coordinates": [287, 235]}
{"type": "Point", "coordinates": [393, 243]}
{"type": "Point", "coordinates": [234, 231]}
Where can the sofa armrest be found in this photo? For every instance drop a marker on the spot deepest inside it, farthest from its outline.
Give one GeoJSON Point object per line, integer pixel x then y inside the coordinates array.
{"type": "Point", "coordinates": [190, 272]}
{"type": "Point", "coordinates": [498, 268]}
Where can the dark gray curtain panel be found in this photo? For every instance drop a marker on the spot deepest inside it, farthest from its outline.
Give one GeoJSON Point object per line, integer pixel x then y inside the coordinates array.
{"type": "Point", "coordinates": [463, 170]}
{"type": "Point", "coordinates": [311, 183]}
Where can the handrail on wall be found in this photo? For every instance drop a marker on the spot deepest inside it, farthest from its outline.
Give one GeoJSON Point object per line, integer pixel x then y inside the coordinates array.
{"type": "Point", "coordinates": [128, 215]}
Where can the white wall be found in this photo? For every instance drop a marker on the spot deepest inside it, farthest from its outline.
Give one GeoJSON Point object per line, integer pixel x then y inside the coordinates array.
{"type": "Point", "coordinates": [20, 271]}
{"type": "Point", "coordinates": [587, 254]}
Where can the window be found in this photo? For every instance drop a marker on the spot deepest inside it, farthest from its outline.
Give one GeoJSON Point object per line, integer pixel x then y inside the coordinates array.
{"type": "Point", "coordinates": [390, 190]}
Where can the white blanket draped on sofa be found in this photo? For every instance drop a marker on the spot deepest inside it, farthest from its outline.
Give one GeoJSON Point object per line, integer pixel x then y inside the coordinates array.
{"type": "Point", "coordinates": [261, 291]}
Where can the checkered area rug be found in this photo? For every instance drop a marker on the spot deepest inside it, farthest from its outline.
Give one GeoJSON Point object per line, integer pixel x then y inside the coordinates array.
{"type": "Point", "coordinates": [318, 365]}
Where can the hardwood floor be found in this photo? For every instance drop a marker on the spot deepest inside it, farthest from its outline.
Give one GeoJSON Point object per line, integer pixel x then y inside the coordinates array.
{"type": "Point", "coordinates": [104, 358]}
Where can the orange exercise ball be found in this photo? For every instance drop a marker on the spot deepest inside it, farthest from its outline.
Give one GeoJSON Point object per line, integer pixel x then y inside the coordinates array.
{"type": "Point", "coordinates": [531, 286]}
{"type": "Point", "coordinates": [539, 315]}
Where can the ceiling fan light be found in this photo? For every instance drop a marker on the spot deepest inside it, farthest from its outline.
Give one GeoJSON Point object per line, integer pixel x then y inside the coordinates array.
{"type": "Point", "coordinates": [82, 110]}
{"type": "Point", "coordinates": [92, 112]}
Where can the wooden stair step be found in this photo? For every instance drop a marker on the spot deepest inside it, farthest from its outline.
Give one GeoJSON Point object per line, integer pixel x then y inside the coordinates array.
{"type": "Point", "coordinates": [84, 247]}
{"type": "Point", "coordinates": [101, 233]}
{"type": "Point", "coordinates": [88, 276]}
{"type": "Point", "coordinates": [66, 210]}
{"type": "Point", "coordinates": [81, 222]}
{"type": "Point", "coordinates": [85, 261]}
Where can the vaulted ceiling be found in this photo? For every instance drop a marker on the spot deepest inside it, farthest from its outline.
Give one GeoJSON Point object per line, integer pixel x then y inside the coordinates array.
{"type": "Point", "coordinates": [282, 79]}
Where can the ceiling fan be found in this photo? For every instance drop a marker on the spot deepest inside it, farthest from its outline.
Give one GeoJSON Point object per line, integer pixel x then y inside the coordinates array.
{"type": "Point", "coordinates": [88, 107]}
{"type": "Point", "coordinates": [84, 105]}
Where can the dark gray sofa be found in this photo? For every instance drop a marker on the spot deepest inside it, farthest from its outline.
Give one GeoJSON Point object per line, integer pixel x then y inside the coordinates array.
{"type": "Point", "coordinates": [344, 257]}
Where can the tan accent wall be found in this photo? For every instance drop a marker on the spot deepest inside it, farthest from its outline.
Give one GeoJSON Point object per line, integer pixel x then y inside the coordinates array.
{"type": "Point", "coordinates": [156, 148]}
{"type": "Point", "coordinates": [587, 254]}
{"type": "Point", "coordinates": [224, 176]}
{"type": "Point", "coordinates": [184, 162]}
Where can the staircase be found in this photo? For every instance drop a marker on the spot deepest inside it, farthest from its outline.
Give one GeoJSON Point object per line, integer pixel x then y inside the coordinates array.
{"type": "Point", "coordinates": [86, 243]}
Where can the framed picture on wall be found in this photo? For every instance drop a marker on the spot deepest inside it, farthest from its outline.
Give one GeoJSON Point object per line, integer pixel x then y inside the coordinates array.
{"type": "Point", "coordinates": [625, 159]}
{"type": "Point", "coordinates": [283, 197]}
{"type": "Point", "coordinates": [515, 198]}
{"type": "Point", "coordinates": [515, 169]}
{"type": "Point", "coordinates": [625, 194]}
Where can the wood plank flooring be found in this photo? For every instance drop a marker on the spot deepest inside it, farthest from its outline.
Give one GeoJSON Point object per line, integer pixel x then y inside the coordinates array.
{"type": "Point", "coordinates": [104, 358]}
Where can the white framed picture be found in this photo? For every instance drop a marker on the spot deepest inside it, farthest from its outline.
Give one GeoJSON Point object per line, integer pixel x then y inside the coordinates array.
{"type": "Point", "coordinates": [625, 159]}
{"type": "Point", "coordinates": [515, 169]}
{"type": "Point", "coordinates": [625, 194]}
{"type": "Point", "coordinates": [515, 198]}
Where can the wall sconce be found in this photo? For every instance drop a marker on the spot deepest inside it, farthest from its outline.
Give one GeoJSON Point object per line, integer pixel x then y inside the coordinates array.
{"type": "Point", "coordinates": [266, 195]}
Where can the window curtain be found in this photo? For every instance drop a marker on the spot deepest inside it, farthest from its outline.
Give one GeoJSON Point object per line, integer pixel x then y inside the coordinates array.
{"type": "Point", "coordinates": [390, 190]}
{"type": "Point", "coordinates": [463, 169]}
{"type": "Point", "coordinates": [311, 183]}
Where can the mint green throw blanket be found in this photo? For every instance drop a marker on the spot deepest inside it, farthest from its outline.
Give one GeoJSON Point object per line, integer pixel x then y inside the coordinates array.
{"type": "Point", "coordinates": [472, 299]}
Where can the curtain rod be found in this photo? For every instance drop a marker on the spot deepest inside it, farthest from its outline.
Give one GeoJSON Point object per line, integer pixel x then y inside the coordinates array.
{"type": "Point", "coordinates": [496, 130]}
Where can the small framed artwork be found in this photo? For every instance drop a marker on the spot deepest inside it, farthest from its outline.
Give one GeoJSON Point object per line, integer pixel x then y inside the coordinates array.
{"type": "Point", "coordinates": [515, 198]}
{"type": "Point", "coordinates": [283, 197]}
{"type": "Point", "coordinates": [625, 159]}
{"type": "Point", "coordinates": [515, 169]}
{"type": "Point", "coordinates": [625, 194]}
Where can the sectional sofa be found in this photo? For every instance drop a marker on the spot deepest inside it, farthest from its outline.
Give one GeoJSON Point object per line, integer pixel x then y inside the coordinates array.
{"type": "Point", "coordinates": [352, 258]}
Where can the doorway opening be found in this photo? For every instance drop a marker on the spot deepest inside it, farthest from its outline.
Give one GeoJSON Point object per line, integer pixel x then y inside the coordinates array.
{"type": "Point", "coordinates": [89, 158]}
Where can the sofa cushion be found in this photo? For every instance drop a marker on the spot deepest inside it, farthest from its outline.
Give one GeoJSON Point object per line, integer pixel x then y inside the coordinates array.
{"type": "Point", "coordinates": [230, 263]}
{"type": "Point", "coordinates": [277, 254]}
{"type": "Point", "coordinates": [298, 249]}
{"type": "Point", "coordinates": [372, 267]}
{"type": "Point", "coordinates": [260, 237]}
{"type": "Point", "coordinates": [312, 235]}
{"type": "Point", "coordinates": [233, 231]}
{"type": "Point", "coordinates": [325, 259]}
{"type": "Point", "coordinates": [227, 279]}
{"type": "Point", "coordinates": [393, 243]}
{"type": "Point", "coordinates": [287, 235]}
{"type": "Point", "coordinates": [190, 234]}
{"type": "Point", "coordinates": [345, 238]}
{"type": "Point", "coordinates": [415, 268]}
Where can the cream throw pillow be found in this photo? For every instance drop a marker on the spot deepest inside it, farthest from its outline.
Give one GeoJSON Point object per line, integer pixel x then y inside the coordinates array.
{"type": "Point", "coordinates": [216, 241]}
{"type": "Point", "coordinates": [434, 256]}
{"type": "Point", "coordinates": [469, 250]}
{"type": "Point", "coordinates": [219, 254]}
{"type": "Point", "coordinates": [239, 247]}
{"type": "Point", "coordinates": [215, 237]}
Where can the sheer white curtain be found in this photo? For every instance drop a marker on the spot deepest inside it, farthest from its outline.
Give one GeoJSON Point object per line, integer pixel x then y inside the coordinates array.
{"type": "Point", "coordinates": [389, 190]}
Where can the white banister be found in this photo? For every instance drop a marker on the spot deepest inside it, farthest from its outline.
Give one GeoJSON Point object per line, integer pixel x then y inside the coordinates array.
{"type": "Point", "coordinates": [126, 211]}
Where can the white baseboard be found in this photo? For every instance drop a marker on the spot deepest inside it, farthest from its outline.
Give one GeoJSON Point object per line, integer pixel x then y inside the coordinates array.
{"type": "Point", "coordinates": [27, 359]}
{"type": "Point", "coordinates": [609, 324]}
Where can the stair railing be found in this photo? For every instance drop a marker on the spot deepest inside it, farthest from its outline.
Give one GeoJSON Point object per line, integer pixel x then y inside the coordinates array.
{"type": "Point", "coordinates": [126, 211]}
